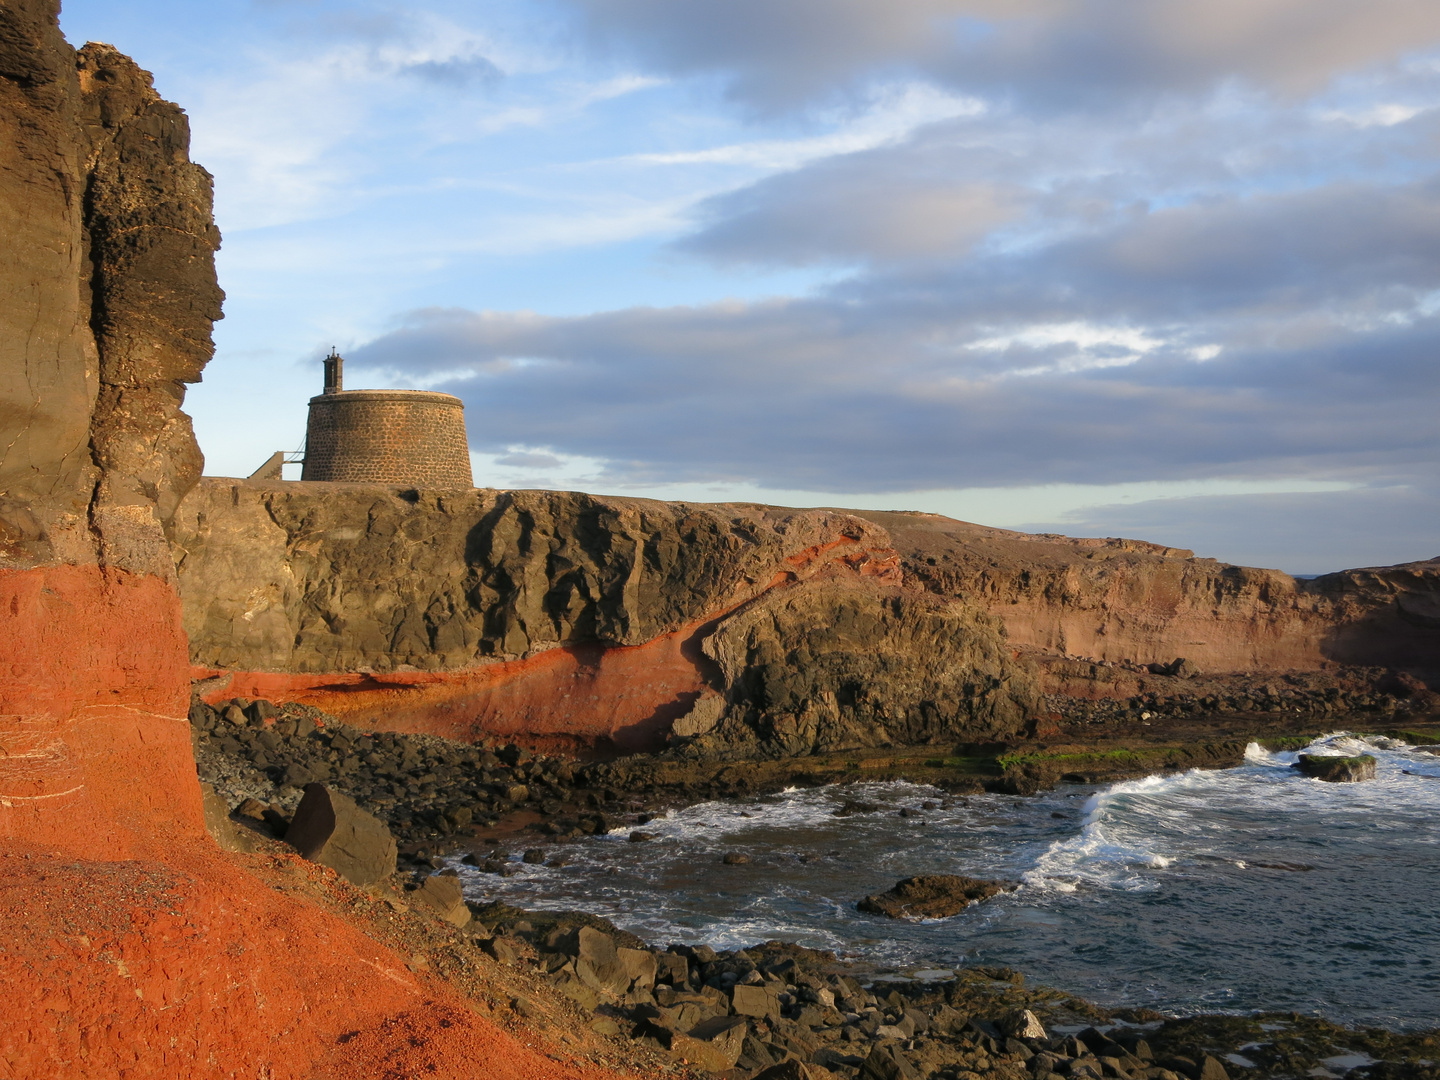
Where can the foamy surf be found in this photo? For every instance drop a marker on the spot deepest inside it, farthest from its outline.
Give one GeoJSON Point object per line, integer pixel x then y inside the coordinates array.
{"type": "Point", "coordinates": [1203, 890]}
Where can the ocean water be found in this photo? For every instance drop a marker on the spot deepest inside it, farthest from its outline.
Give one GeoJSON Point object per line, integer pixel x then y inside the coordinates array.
{"type": "Point", "coordinates": [1247, 888]}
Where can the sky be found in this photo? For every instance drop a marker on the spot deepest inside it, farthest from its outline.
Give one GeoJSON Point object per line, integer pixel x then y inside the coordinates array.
{"type": "Point", "coordinates": [1100, 267]}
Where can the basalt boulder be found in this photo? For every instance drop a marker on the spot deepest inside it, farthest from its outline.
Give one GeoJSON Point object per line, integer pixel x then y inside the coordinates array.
{"type": "Point", "coordinates": [329, 828]}
{"type": "Point", "coordinates": [1337, 770]}
{"type": "Point", "coordinates": [933, 896]}
{"type": "Point", "coordinates": [443, 895]}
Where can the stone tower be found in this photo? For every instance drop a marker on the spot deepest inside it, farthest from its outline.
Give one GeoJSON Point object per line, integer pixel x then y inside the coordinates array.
{"type": "Point", "coordinates": [411, 437]}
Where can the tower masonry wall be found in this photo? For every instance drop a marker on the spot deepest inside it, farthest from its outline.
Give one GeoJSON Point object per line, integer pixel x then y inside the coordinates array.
{"type": "Point", "coordinates": [388, 437]}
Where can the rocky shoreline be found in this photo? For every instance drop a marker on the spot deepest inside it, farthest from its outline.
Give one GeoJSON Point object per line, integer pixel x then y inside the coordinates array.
{"type": "Point", "coordinates": [742, 1013]}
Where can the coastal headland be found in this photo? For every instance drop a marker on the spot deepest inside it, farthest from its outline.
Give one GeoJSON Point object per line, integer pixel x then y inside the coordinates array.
{"type": "Point", "coordinates": [404, 654]}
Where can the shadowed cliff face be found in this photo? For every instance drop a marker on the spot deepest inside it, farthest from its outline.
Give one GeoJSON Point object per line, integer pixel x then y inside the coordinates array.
{"type": "Point", "coordinates": [152, 248]}
{"type": "Point", "coordinates": [107, 294]}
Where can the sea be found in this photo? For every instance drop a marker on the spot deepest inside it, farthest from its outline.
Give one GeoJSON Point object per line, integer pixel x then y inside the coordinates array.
{"type": "Point", "coordinates": [1251, 888]}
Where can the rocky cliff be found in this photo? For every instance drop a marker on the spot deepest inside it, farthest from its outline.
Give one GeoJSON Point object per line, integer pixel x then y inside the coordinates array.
{"type": "Point", "coordinates": [128, 940]}
{"type": "Point", "coordinates": [108, 286]}
{"type": "Point", "coordinates": [1135, 604]}
{"type": "Point", "coordinates": [562, 618]}
{"type": "Point", "coordinates": [573, 619]}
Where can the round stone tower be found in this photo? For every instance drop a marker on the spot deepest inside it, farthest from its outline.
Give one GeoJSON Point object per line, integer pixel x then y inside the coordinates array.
{"type": "Point", "coordinates": [411, 437]}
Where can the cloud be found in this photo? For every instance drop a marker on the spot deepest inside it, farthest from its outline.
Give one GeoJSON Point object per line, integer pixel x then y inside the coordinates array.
{"type": "Point", "coordinates": [833, 212]}
{"type": "Point", "coordinates": [782, 56]}
{"type": "Point", "coordinates": [1284, 335]}
{"type": "Point", "coordinates": [456, 72]}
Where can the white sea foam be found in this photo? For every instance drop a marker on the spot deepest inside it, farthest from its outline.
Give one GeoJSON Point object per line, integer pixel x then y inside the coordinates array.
{"type": "Point", "coordinates": [1179, 885]}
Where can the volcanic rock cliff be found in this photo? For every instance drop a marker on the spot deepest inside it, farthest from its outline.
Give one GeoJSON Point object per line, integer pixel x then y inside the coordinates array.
{"type": "Point", "coordinates": [1131, 603]}
{"type": "Point", "coordinates": [575, 619]}
{"type": "Point", "coordinates": [572, 619]}
{"type": "Point", "coordinates": [130, 945]}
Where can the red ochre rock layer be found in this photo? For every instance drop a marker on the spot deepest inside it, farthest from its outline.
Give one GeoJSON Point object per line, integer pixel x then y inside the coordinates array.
{"type": "Point", "coordinates": [571, 697]}
{"type": "Point", "coordinates": [624, 697]}
{"type": "Point", "coordinates": [192, 967]}
{"type": "Point", "coordinates": [132, 946]}
{"type": "Point", "coordinates": [94, 750]}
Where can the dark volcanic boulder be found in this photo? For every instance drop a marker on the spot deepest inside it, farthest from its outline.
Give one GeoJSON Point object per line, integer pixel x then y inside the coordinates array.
{"type": "Point", "coordinates": [1337, 770]}
{"type": "Point", "coordinates": [934, 896]}
{"type": "Point", "coordinates": [330, 829]}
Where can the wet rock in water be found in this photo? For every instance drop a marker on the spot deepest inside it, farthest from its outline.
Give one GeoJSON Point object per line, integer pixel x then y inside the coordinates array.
{"type": "Point", "coordinates": [735, 858]}
{"type": "Point", "coordinates": [1337, 770]}
{"type": "Point", "coordinates": [638, 837]}
{"type": "Point", "coordinates": [442, 895]}
{"type": "Point", "coordinates": [329, 828]}
{"type": "Point", "coordinates": [534, 855]}
{"type": "Point", "coordinates": [933, 896]}
{"type": "Point", "coordinates": [856, 806]}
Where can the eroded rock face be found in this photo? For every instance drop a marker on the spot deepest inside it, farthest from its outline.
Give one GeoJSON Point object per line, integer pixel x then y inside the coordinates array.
{"type": "Point", "coordinates": [109, 295]}
{"type": "Point", "coordinates": [1114, 600]}
{"type": "Point", "coordinates": [152, 242]}
{"type": "Point", "coordinates": [107, 290]}
{"type": "Point", "coordinates": [97, 199]}
{"type": "Point", "coordinates": [838, 662]}
{"type": "Point", "coordinates": [566, 617]}
{"type": "Point", "coordinates": [333, 577]}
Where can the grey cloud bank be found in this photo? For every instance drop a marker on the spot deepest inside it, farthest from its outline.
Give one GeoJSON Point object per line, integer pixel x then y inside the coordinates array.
{"type": "Point", "coordinates": [1058, 52]}
{"type": "Point", "coordinates": [1170, 242]}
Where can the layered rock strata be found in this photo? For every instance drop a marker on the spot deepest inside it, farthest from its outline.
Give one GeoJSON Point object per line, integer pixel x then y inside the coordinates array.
{"type": "Point", "coordinates": [576, 620]}
{"type": "Point", "coordinates": [1134, 604]}
{"type": "Point", "coordinates": [572, 620]}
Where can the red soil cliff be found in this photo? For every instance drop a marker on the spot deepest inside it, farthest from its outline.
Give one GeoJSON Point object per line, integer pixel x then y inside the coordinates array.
{"type": "Point", "coordinates": [130, 945]}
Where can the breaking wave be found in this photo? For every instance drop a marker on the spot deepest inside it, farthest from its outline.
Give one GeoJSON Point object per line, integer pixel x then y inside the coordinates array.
{"type": "Point", "coordinates": [1250, 887]}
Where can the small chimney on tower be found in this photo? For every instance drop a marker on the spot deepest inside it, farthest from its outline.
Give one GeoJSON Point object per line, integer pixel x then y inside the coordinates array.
{"type": "Point", "coordinates": [334, 372]}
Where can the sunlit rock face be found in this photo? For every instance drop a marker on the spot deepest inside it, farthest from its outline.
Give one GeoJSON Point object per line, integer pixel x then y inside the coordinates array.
{"type": "Point", "coordinates": [129, 943]}
{"type": "Point", "coordinates": [109, 294]}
